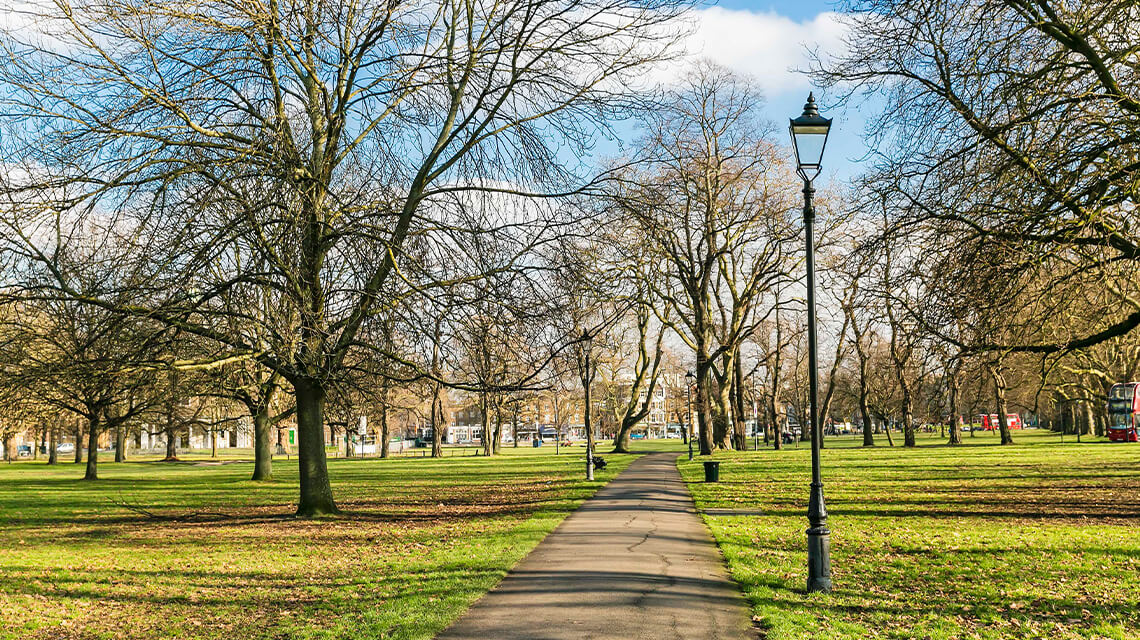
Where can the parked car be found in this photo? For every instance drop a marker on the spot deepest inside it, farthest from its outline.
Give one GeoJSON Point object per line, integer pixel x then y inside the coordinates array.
{"type": "Point", "coordinates": [65, 447]}
{"type": "Point", "coordinates": [24, 451]}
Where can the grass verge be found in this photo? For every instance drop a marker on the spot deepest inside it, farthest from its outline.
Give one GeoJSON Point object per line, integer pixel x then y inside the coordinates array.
{"type": "Point", "coordinates": [196, 550]}
{"type": "Point", "coordinates": [1035, 540]}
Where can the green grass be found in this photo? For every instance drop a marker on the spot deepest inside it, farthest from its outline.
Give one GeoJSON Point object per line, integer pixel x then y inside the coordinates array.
{"type": "Point", "coordinates": [192, 550]}
{"type": "Point", "coordinates": [1037, 540]}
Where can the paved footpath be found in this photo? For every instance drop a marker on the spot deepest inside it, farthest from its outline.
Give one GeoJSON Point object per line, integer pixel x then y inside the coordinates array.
{"type": "Point", "coordinates": [635, 561]}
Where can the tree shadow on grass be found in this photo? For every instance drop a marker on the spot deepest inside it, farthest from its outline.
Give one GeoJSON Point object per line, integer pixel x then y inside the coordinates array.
{"type": "Point", "coordinates": [948, 585]}
{"type": "Point", "coordinates": [249, 604]}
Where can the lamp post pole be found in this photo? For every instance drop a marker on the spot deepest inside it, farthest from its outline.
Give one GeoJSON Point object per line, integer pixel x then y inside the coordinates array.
{"type": "Point", "coordinates": [809, 137]}
{"type": "Point", "coordinates": [587, 378]}
{"type": "Point", "coordinates": [689, 410]}
{"type": "Point", "coordinates": [819, 537]}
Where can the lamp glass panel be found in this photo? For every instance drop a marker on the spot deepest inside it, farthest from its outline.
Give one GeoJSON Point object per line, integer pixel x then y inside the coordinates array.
{"type": "Point", "coordinates": [809, 145]}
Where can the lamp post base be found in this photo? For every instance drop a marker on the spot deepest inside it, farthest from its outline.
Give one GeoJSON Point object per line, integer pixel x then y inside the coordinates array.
{"type": "Point", "coordinates": [819, 560]}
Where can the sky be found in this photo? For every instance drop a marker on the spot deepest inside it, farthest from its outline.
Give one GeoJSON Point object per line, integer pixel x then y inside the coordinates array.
{"type": "Point", "coordinates": [768, 40]}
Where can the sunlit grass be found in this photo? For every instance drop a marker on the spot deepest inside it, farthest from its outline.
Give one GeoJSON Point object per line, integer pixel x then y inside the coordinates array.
{"type": "Point", "coordinates": [1037, 540]}
{"type": "Point", "coordinates": [192, 550]}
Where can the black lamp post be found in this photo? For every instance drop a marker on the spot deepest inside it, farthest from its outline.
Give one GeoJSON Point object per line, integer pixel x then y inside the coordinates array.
{"type": "Point", "coordinates": [809, 137]}
{"type": "Point", "coordinates": [689, 409]}
{"type": "Point", "coordinates": [587, 378]}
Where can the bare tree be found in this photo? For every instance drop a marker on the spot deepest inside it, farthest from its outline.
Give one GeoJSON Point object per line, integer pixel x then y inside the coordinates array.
{"type": "Point", "coordinates": [1008, 147]}
{"type": "Point", "coordinates": [712, 204]}
{"type": "Point", "coordinates": [351, 122]}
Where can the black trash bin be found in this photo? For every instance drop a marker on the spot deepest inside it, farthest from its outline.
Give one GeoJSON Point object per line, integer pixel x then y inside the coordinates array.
{"type": "Point", "coordinates": [712, 471]}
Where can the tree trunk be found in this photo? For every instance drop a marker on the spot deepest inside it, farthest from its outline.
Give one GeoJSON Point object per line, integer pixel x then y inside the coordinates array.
{"type": "Point", "coordinates": [497, 441]}
{"type": "Point", "coordinates": [171, 446]}
{"type": "Point", "coordinates": [777, 428]}
{"type": "Point", "coordinates": [704, 413]}
{"type": "Point", "coordinates": [739, 438]}
{"type": "Point", "coordinates": [485, 418]}
{"type": "Point", "coordinates": [825, 411]}
{"type": "Point", "coordinates": [515, 425]}
{"type": "Point", "coordinates": [316, 497]}
{"type": "Point", "coordinates": [955, 424]}
{"type": "Point", "coordinates": [78, 441]}
{"type": "Point", "coordinates": [999, 400]}
{"type": "Point", "coordinates": [262, 448]}
{"type": "Point", "coordinates": [386, 428]}
{"type": "Point", "coordinates": [621, 438]}
{"type": "Point", "coordinates": [908, 418]}
{"type": "Point", "coordinates": [722, 409]}
{"type": "Point", "coordinates": [92, 448]}
{"type": "Point", "coordinates": [437, 421]}
{"type": "Point", "coordinates": [53, 455]}
{"type": "Point", "coordinates": [868, 424]}
{"type": "Point", "coordinates": [120, 444]}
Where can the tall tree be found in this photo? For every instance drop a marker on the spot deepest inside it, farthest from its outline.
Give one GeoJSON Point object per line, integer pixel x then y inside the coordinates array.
{"type": "Point", "coordinates": [1008, 145]}
{"type": "Point", "coordinates": [354, 122]}
{"type": "Point", "coordinates": [710, 198]}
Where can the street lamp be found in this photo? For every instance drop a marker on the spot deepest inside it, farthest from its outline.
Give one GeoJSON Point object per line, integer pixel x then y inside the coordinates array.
{"type": "Point", "coordinates": [587, 378]}
{"type": "Point", "coordinates": [689, 409]}
{"type": "Point", "coordinates": [809, 137]}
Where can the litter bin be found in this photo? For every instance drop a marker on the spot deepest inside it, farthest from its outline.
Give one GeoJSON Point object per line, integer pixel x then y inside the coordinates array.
{"type": "Point", "coordinates": [712, 471]}
{"type": "Point", "coordinates": [536, 443]}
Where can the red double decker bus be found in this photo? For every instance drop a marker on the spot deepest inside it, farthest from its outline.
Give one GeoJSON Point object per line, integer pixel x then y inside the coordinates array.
{"type": "Point", "coordinates": [1123, 411]}
{"type": "Point", "coordinates": [991, 423]}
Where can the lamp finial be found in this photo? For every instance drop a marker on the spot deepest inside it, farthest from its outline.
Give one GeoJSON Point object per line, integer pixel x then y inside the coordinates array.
{"type": "Point", "coordinates": [809, 107]}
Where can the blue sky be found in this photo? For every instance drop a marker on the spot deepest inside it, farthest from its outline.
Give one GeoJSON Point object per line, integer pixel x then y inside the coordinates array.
{"type": "Point", "coordinates": [845, 147]}
{"type": "Point", "coordinates": [767, 39]}
{"type": "Point", "coordinates": [789, 8]}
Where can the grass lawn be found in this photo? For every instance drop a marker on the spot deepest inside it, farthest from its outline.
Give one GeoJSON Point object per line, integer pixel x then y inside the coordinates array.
{"type": "Point", "coordinates": [196, 550]}
{"type": "Point", "coordinates": [1035, 540]}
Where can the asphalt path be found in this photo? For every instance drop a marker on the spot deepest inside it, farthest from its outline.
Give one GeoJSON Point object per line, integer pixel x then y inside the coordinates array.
{"type": "Point", "coordinates": [633, 562]}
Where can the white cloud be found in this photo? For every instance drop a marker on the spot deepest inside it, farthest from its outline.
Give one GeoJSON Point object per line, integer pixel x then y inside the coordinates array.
{"type": "Point", "coordinates": [765, 45]}
{"type": "Point", "coordinates": [41, 23]}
